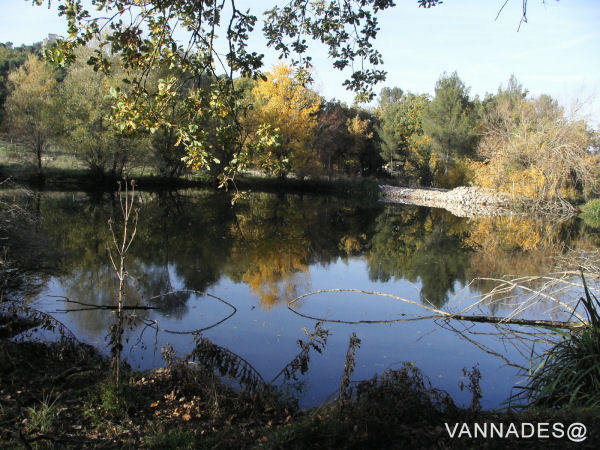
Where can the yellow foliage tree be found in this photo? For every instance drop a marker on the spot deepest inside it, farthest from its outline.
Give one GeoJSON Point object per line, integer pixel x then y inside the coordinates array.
{"type": "Point", "coordinates": [359, 131]}
{"type": "Point", "coordinates": [532, 149]}
{"type": "Point", "coordinates": [289, 108]}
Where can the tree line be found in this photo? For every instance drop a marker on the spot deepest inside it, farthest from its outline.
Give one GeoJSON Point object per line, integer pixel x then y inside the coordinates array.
{"type": "Point", "coordinates": [510, 141]}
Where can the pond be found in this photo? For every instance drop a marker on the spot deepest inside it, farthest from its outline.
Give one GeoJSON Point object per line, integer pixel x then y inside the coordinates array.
{"type": "Point", "coordinates": [197, 260]}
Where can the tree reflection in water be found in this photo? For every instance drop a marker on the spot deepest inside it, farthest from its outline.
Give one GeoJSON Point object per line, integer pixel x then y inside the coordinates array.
{"type": "Point", "coordinates": [271, 245]}
{"type": "Point", "coordinates": [269, 242]}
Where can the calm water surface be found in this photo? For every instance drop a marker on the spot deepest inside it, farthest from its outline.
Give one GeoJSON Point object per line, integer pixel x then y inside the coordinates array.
{"type": "Point", "coordinates": [269, 249]}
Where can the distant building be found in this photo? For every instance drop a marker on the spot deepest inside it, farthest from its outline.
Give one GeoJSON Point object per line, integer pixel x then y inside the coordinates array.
{"type": "Point", "coordinates": [50, 39]}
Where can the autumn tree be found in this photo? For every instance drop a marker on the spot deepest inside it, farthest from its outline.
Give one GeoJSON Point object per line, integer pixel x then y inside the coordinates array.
{"type": "Point", "coordinates": [450, 122]}
{"type": "Point", "coordinates": [332, 135]}
{"type": "Point", "coordinates": [361, 157]}
{"type": "Point", "coordinates": [290, 109]}
{"type": "Point", "coordinates": [532, 148]}
{"type": "Point", "coordinates": [32, 106]}
{"type": "Point", "coordinates": [144, 36]}
{"type": "Point", "coordinates": [11, 58]}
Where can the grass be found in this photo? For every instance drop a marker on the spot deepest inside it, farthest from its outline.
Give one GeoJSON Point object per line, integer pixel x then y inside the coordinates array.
{"type": "Point", "coordinates": [178, 437]}
{"type": "Point", "coordinates": [19, 163]}
{"type": "Point", "coordinates": [112, 401]}
{"type": "Point", "coordinates": [64, 171]}
{"type": "Point", "coordinates": [45, 417]}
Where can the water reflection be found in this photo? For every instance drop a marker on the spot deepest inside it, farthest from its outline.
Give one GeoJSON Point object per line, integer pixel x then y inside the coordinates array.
{"type": "Point", "coordinates": [269, 249]}
{"type": "Point", "coordinates": [421, 245]}
{"type": "Point", "coordinates": [269, 242]}
{"type": "Point", "coordinates": [26, 254]}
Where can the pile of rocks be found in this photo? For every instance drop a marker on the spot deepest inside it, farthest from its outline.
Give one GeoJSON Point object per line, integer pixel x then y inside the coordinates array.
{"type": "Point", "coordinates": [462, 201]}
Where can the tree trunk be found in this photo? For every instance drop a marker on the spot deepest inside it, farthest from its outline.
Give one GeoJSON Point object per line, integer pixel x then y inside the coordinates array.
{"type": "Point", "coordinates": [38, 150]}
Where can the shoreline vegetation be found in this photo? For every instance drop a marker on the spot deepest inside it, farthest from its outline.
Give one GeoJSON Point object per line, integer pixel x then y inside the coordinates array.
{"type": "Point", "coordinates": [68, 176]}
{"type": "Point", "coordinates": [76, 127]}
{"type": "Point", "coordinates": [62, 395]}
{"type": "Point", "coordinates": [462, 201]}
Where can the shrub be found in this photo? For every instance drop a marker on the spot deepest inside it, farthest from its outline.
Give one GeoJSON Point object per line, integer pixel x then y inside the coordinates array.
{"type": "Point", "coordinates": [532, 148]}
{"type": "Point", "coordinates": [591, 213]}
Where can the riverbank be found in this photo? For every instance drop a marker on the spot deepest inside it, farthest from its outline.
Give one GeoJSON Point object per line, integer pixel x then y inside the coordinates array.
{"type": "Point", "coordinates": [61, 395]}
{"type": "Point", "coordinates": [461, 201]}
{"type": "Point", "coordinates": [474, 201]}
{"type": "Point", "coordinates": [77, 179]}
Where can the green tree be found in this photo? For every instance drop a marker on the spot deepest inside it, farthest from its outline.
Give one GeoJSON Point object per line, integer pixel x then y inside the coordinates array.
{"type": "Point", "coordinates": [404, 143]}
{"type": "Point", "coordinates": [389, 96]}
{"type": "Point", "coordinates": [32, 106]}
{"type": "Point", "coordinates": [391, 140]}
{"type": "Point", "coordinates": [449, 121]}
{"type": "Point", "coordinates": [88, 134]}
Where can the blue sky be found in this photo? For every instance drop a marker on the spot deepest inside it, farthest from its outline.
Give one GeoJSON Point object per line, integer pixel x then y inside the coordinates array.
{"type": "Point", "coordinates": [557, 52]}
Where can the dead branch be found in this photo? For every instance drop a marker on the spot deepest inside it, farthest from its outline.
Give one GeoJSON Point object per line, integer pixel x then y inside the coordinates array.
{"type": "Point", "coordinates": [438, 314]}
{"type": "Point", "coordinates": [505, 287]}
{"type": "Point", "coordinates": [154, 323]}
{"type": "Point", "coordinates": [92, 307]}
{"type": "Point", "coordinates": [509, 321]}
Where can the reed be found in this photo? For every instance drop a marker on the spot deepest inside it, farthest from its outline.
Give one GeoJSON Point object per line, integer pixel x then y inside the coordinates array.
{"type": "Point", "coordinates": [568, 374]}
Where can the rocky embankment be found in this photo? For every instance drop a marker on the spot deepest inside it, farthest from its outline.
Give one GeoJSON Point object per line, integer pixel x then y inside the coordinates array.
{"type": "Point", "coordinates": [461, 201]}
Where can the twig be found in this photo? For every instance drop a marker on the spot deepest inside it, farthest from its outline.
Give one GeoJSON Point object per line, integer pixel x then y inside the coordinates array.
{"type": "Point", "coordinates": [67, 373]}
{"type": "Point", "coordinates": [510, 285]}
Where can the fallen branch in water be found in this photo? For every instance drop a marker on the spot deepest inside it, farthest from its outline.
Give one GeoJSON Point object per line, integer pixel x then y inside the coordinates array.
{"type": "Point", "coordinates": [154, 323]}
{"type": "Point", "coordinates": [91, 307]}
{"type": "Point", "coordinates": [549, 290]}
{"type": "Point", "coordinates": [438, 314]}
{"type": "Point", "coordinates": [191, 291]}
{"type": "Point", "coordinates": [509, 321]}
